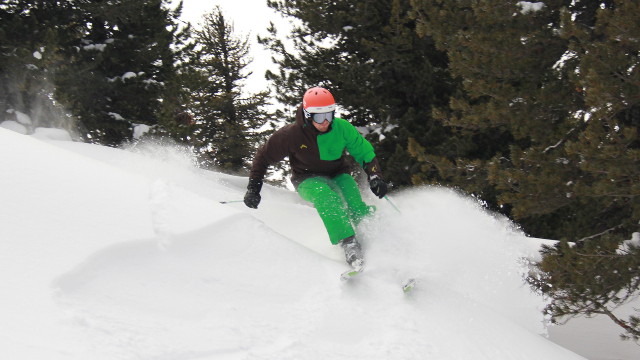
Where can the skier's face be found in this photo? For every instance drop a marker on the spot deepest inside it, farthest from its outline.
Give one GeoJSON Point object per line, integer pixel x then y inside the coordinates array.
{"type": "Point", "coordinates": [322, 127]}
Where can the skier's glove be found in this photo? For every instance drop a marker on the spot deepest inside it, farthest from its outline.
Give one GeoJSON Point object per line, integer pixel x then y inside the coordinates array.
{"type": "Point", "coordinates": [378, 186]}
{"type": "Point", "coordinates": [252, 197]}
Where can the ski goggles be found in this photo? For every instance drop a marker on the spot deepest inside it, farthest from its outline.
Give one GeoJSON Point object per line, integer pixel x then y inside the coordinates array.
{"type": "Point", "coordinates": [322, 117]}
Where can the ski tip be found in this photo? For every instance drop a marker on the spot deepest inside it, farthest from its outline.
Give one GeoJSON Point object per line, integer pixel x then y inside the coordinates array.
{"type": "Point", "coordinates": [349, 274]}
{"type": "Point", "coordinates": [408, 285]}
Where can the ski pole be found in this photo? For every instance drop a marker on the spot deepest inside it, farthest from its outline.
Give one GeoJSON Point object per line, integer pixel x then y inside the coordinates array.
{"type": "Point", "coordinates": [231, 201]}
{"type": "Point", "coordinates": [392, 204]}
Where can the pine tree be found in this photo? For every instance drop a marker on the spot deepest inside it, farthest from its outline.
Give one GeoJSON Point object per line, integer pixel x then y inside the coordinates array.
{"type": "Point", "coordinates": [590, 278]}
{"type": "Point", "coordinates": [33, 34]}
{"type": "Point", "coordinates": [606, 146]}
{"type": "Point", "coordinates": [559, 86]}
{"type": "Point", "coordinates": [119, 68]}
{"type": "Point", "coordinates": [174, 117]}
{"type": "Point", "coordinates": [228, 120]}
{"type": "Point", "coordinates": [505, 102]}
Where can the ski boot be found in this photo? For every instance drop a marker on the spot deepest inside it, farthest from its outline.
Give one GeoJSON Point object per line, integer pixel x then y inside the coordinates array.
{"type": "Point", "coordinates": [353, 253]}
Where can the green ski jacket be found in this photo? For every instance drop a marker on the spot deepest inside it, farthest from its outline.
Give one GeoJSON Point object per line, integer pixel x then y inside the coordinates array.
{"type": "Point", "coordinates": [312, 153]}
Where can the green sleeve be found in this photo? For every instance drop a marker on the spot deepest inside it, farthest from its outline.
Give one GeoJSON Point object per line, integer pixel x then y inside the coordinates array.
{"type": "Point", "coordinates": [361, 149]}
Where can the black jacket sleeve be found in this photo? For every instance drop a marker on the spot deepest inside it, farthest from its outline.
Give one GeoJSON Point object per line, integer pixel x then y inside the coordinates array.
{"type": "Point", "coordinates": [273, 151]}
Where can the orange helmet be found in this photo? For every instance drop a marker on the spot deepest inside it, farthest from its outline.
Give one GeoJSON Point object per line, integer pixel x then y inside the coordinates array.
{"type": "Point", "coordinates": [318, 100]}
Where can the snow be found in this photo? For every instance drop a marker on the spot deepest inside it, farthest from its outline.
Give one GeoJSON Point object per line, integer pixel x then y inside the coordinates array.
{"type": "Point", "coordinates": [528, 7]}
{"type": "Point", "coordinates": [129, 254]}
{"type": "Point", "coordinates": [13, 126]}
{"type": "Point", "coordinates": [125, 76]}
{"type": "Point", "coordinates": [140, 129]}
{"type": "Point", "coordinates": [95, 47]}
{"type": "Point", "coordinates": [128, 75]}
{"type": "Point", "coordinates": [20, 123]}
{"type": "Point", "coordinates": [52, 134]}
{"type": "Point", "coordinates": [626, 246]}
{"type": "Point", "coordinates": [22, 118]}
{"type": "Point", "coordinates": [116, 116]}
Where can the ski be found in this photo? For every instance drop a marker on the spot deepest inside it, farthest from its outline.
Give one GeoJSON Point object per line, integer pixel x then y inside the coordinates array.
{"type": "Point", "coordinates": [345, 276]}
{"type": "Point", "coordinates": [357, 267]}
{"type": "Point", "coordinates": [408, 285]}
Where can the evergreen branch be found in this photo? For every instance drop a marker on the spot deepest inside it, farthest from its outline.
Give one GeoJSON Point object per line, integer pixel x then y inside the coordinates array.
{"type": "Point", "coordinates": [581, 126]}
{"type": "Point", "coordinates": [625, 325]}
{"type": "Point", "coordinates": [599, 234]}
{"type": "Point", "coordinates": [615, 195]}
{"type": "Point", "coordinates": [599, 256]}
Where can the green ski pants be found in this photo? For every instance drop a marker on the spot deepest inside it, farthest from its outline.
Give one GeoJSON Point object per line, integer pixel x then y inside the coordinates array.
{"type": "Point", "coordinates": [338, 202]}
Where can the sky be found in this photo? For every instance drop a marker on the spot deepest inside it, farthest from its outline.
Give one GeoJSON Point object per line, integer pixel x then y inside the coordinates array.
{"type": "Point", "coordinates": [128, 254]}
{"type": "Point", "coordinates": [249, 17]}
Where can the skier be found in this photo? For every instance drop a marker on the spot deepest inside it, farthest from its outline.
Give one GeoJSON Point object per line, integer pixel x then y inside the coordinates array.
{"type": "Point", "coordinates": [315, 144]}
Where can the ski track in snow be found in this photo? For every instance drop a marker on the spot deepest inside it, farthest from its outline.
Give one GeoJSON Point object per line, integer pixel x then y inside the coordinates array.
{"type": "Point", "coordinates": [194, 279]}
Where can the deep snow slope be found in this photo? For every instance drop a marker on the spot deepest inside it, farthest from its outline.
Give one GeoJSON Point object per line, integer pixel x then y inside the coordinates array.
{"type": "Point", "coordinates": [113, 254]}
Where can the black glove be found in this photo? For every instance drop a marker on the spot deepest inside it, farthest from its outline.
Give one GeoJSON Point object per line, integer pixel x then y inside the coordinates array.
{"type": "Point", "coordinates": [378, 186]}
{"type": "Point", "coordinates": [252, 197]}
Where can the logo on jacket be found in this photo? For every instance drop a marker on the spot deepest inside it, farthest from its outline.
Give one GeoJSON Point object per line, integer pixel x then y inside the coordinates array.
{"type": "Point", "coordinates": [303, 146]}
